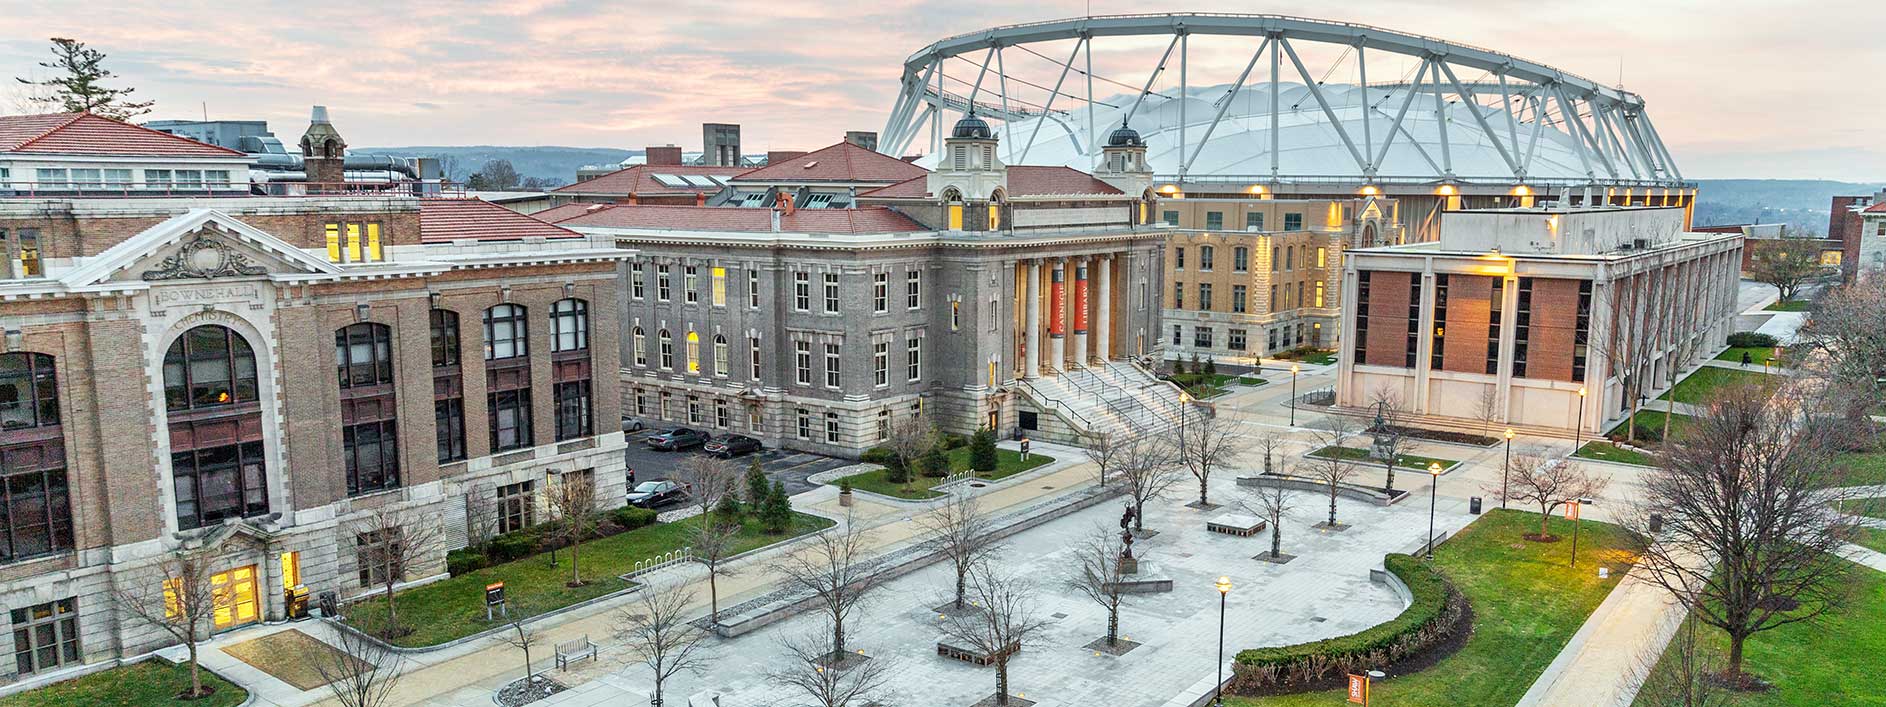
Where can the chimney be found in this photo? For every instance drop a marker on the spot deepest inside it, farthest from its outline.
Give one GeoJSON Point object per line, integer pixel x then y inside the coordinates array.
{"type": "Point", "coordinates": [866, 139]}
{"type": "Point", "coordinates": [780, 156]}
{"type": "Point", "coordinates": [663, 155]}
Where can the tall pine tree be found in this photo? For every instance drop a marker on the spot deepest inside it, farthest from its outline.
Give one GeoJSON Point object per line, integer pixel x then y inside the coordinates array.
{"type": "Point", "coordinates": [77, 84]}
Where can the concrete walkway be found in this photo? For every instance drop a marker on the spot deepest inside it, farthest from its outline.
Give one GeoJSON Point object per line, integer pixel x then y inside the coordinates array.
{"type": "Point", "coordinates": [1601, 666]}
{"type": "Point", "coordinates": [1866, 556]}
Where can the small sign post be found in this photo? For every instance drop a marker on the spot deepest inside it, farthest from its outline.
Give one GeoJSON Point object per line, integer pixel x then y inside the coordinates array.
{"type": "Point", "coordinates": [494, 597]}
{"type": "Point", "coordinates": [1359, 689]}
{"type": "Point", "coordinates": [1572, 512]}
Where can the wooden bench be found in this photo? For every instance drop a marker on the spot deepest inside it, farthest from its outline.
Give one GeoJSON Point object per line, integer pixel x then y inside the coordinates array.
{"type": "Point", "coordinates": [1242, 526]}
{"type": "Point", "coordinates": [571, 651]}
{"type": "Point", "coordinates": [968, 656]}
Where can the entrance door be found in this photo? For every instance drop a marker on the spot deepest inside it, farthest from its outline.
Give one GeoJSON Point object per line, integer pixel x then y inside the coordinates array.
{"type": "Point", "coordinates": [236, 600]}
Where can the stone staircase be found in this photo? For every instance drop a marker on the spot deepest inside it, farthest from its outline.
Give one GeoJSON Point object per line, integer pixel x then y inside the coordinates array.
{"type": "Point", "coordinates": [1106, 398]}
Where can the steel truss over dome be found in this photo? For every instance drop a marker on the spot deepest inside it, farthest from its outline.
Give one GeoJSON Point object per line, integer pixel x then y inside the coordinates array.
{"type": "Point", "coordinates": [1447, 115]}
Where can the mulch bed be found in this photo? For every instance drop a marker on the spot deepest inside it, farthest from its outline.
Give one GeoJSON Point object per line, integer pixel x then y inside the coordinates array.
{"type": "Point", "coordinates": [1456, 638]}
{"type": "Point", "coordinates": [1120, 646]}
{"type": "Point", "coordinates": [1446, 436]}
{"type": "Point", "coordinates": [523, 692]}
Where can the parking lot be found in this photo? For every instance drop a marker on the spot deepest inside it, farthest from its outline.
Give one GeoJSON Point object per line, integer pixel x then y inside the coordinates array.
{"type": "Point", "coordinates": [786, 466]}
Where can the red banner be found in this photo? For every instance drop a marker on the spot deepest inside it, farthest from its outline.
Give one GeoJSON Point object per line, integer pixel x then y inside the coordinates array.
{"type": "Point", "coordinates": [1057, 304]}
{"type": "Point", "coordinates": [1080, 300]}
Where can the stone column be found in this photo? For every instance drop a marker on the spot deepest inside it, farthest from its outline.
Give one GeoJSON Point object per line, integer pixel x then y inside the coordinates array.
{"type": "Point", "coordinates": [1031, 354]}
{"type": "Point", "coordinates": [1104, 310]}
{"type": "Point", "coordinates": [1081, 352]}
{"type": "Point", "coordinates": [1057, 316]}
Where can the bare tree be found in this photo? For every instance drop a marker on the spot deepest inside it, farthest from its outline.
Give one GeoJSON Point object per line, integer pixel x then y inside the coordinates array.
{"type": "Point", "coordinates": [658, 635]}
{"type": "Point", "coordinates": [713, 542]}
{"type": "Point", "coordinates": [1269, 446]}
{"type": "Point", "coordinates": [1206, 445]}
{"type": "Point", "coordinates": [1148, 467]}
{"type": "Point", "coordinates": [1391, 434]}
{"type": "Point", "coordinates": [1848, 335]}
{"type": "Point", "coordinates": [1547, 484]}
{"type": "Point", "coordinates": [179, 600]}
{"type": "Point", "coordinates": [835, 567]}
{"type": "Point", "coordinates": [359, 671]}
{"type": "Point", "coordinates": [709, 479]}
{"type": "Point", "coordinates": [959, 531]}
{"type": "Point", "coordinates": [1007, 622]}
{"type": "Point", "coordinates": [1270, 502]}
{"type": "Point", "coordinates": [1680, 678]}
{"type": "Point", "coordinates": [1103, 449]}
{"type": "Point", "coordinates": [911, 437]}
{"type": "Point", "coordinates": [522, 638]}
{"type": "Point", "coordinates": [1784, 266]}
{"type": "Point", "coordinates": [390, 544]}
{"type": "Point", "coordinates": [481, 515]}
{"type": "Point", "coordinates": [1335, 469]}
{"type": "Point", "coordinates": [1099, 576]}
{"type": "Point", "coordinates": [1745, 483]}
{"type": "Point", "coordinates": [1624, 343]}
{"type": "Point", "coordinates": [809, 671]}
{"type": "Point", "coordinates": [572, 501]}
{"type": "Point", "coordinates": [1487, 408]}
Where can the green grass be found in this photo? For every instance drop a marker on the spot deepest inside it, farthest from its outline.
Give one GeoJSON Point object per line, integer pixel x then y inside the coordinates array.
{"type": "Point", "coordinates": [1649, 426]}
{"type": "Point", "coordinates": [1793, 305]}
{"type": "Point", "coordinates": [1870, 538]}
{"type": "Point", "coordinates": [1758, 355]}
{"type": "Point", "coordinates": [1249, 380]}
{"type": "Point", "coordinates": [1863, 468]}
{"type": "Point", "coordinates": [1832, 661]}
{"type": "Point", "coordinates": [1411, 461]}
{"type": "Point", "coordinates": [1606, 451]}
{"type": "Point", "coordinates": [1526, 601]}
{"type": "Point", "coordinates": [1869, 507]}
{"type": "Point", "coordinates": [143, 684]}
{"type": "Point", "coordinates": [1008, 462]}
{"type": "Point", "coordinates": [455, 607]}
{"type": "Point", "coordinates": [1706, 380]}
{"type": "Point", "coordinates": [1321, 358]}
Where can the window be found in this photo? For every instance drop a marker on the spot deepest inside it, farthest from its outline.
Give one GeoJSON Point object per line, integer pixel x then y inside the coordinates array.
{"type": "Point", "coordinates": [802, 361]}
{"type": "Point", "coordinates": [1298, 301]}
{"type": "Point", "coordinates": [719, 286]}
{"type": "Point", "coordinates": [1438, 342]}
{"type": "Point", "coordinates": [51, 178]}
{"type": "Point", "coordinates": [667, 344]}
{"type": "Point", "coordinates": [641, 402]}
{"type": "Point", "coordinates": [507, 332]}
{"type": "Point", "coordinates": [516, 511]}
{"type": "Point", "coordinates": [371, 453]}
{"type": "Point", "coordinates": [1236, 340]}
{"type": "Point", "coordinates": [1254, 221]}
{"type": "Point", "coordinates": [1178, 257]}
{"type": "Point", "coordinates": [831, 293]}
{"type": "Point", "coordinates": [913, 289]}
{"type": "Point", "coordinates": [802, 292]}
{"type": "Point", "coordinates": [1178, 334]}
{"type": "Point", "coordinates": [1205, 257]}
{"type": "Point", "coordinates": [831, 365]}
{"type": "Point", "coordinates": [34, 501]}
{"type": "Point", "coordinates": [694, 410]}
{"type": "Point", "coordinates": [881, 363]}
{"type": "Point", "coordinates": [363, 355]}
{"type": "Point", "coordinates": [573, 409]}
{"type": "Point", "coordinates": [753, 355]}
{"type": "Point", "coordinates": [831, 427]}
{"type": "Point", "coordinates": [1319, 293]}
{"type": "Point", "coordinates": [1240, 259]}
{"type": "Point", "coordinates": [445, 351]}
{"type": "Point", "coordinates": [884, 425]}
{"type": "Point", "coordinates": [694, 353]}
{"type": "Point", "coordinates": [348, 242]}
{"type": "Point", "coordinates": [1237, 299]}
{"type": "Point", "coordinates": [1293, 222]}
{"type": "Point", "coordinates": [640, 344]}
{"type": "Point", "coordinates": [219, 482]}
{"type": "Point", "coordinates": [1322, 257]}
{"type": "Point", "coordinates": [956, 314]}
{"type": "Point", "coordinates": [1214, 220]}
{"type": "Point", "coordinates": [1204, 296]}
{"type": "Point", "coordinates": [569, 325]}
{"type": "Point", "coordinates": [209, 366]}
{"type": "Point", "coordinates": [46, 636]}
{"type": "Point", "coordinates": [1170, 217]}
{"type": "Point", "coordinates": [448, 417]}
{"type": "Point", "coordinates": [1202, 337]}
{"type": "Point", "coordinates": [880, 292]}
{"type": "Point", "coordinates": [722, 418]}
{"type": "Point", "coordinates": [638, 286]}
{"type": "Point", "coordinates": [369, 439]}
{"type": "Point", "coordinates": [1178, 295]}
{"type": "Point", "coordinates": [510, 419]}
{"type": "Point", "coordinates": [1290, 258]}
{"type": "Point", "coordinates": [753, 288]}
{"type": "Point", "coordinates": [1273, 298]}
{"type": "Point", "coordinates": [805, 424]}
{"type": "Point", "coordinates": [720, 355]}
{"type": "Point", "coordinates": [913, 359]}
{"type": "Point", "coordinates": [690, 284]}
{"type": "Point", "coordinates": [664, 287]}
{"type": "Point", "coordinates": [1276, 259]}
{"type": "Point", "coordinates": [23, 246]}
{"type": "Point", "coordinates": [1359, 353]}
{"type": "Point", "coordinates": [29, 392]}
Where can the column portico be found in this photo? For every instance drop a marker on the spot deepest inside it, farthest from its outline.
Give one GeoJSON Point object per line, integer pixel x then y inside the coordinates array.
{"type": "Point", "coordinates": [1031, 349]}
{"type": "Point", "coordinates": [1103, 320]}
{"type": "Point", "coordinates": [1057, 316]}
{"type": "Point", "coordinates": [1080, 304]}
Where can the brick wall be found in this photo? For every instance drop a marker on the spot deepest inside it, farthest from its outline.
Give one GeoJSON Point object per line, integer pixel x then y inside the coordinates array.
{"type": "Point", "coordinates": [1469, 308]}
{"type": "Point", "coordinates": [1553, 329]}
{"type": "Point", "coordinates": [1388, 319]}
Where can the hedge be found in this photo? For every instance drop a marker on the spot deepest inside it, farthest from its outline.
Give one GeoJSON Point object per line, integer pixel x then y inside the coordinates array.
{"type": "Point", "coordinates": [529, 541]}
{"type": "Point", "coordinates": [1429, 619]}
{"type": "Point", "coordinates": [1751, 340]}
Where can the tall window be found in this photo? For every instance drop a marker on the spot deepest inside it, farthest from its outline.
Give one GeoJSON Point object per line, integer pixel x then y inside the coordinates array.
{"type": "Point", "coordinates": [570, 369]}
{"type": "Point", "coordinates": [913, 289]}
{"type": "Point", "coordinates": [913, 358]}
{"type": "Point", "coordinates": [1204, 296]}
{"type": "Point", "coordinates": [516, 511]}
{"type": "Point", "coordinates": [1237, 299]}
{"type": "Point", "coordinates": [29, 395]}
{"type": "Point", "coordinates": [569, 325]}
{"type": "Point", "coordinates": [802, 291]}
{"type": "Point", "coordinates": [217, 465]}
{"type": "Point", "coordinates": [831, 427]}
{"type": "Point", "coordinates": [1240, 259]}
{"type": "Point", "coordinates": [690, 284]}
{"type": "Point", "coordinates": [45, 636]}
{"type": "Point", "coordinates": [23, 245]}
{"type": "Point", "coordinates": [573, 409]}
{"type": "Point", "coordinates": [664, 284]}
{"type": "Point", "coordinates": [880, 292]}
{"type": "Point", "coordinates": [638, 281]}
{"type": "Point", "coordinates": [694, 353]}
{"type": "Point", "coordinates": [1205, 253]}
{"type": "Point", "coordinates": [831, 365]}
{"type": "Point", "coordinates": [640, 340]}
{"type": "Point", "coordinates": [753, 287]}
{"type": "Point", "coordinates": [667, 350]}
{"type": "Point", "coordinates": [802, 361]}
{"type": "Point", "coordinates": [1178, 257]}
{"type": "Point", "coordinates": [369, 429]}
{"type": "Point", "coordinates": [805, 424]}
{"type": "Point", "coordinates": [831, 293]}
{"type": "Point", "coordinates": [718, 285]}
{"type": "Point", "coordinates": [753, 355]}
{"type": "Point", "coordinates": [720, 355]}
{"type": "Point", "coordinates": [35, 514]}
{"type": "Point", "coordinates": [881, 363]}
{"type": "Point", "coordinates": [507, 332]}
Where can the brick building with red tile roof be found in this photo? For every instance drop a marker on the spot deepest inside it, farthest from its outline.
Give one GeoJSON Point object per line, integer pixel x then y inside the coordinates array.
{"type": "Point", "coordinates": [65, 153]}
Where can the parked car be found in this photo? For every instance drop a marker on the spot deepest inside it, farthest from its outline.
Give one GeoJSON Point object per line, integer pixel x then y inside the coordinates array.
{"type": "Point", "coordinates": [650, 494]}
{"type": "Point", "coordinates": [630, 424]}
{"type": "Point", "coordinates": [678, 439]}
{"type": "Point", "coordinates": [732, 446]}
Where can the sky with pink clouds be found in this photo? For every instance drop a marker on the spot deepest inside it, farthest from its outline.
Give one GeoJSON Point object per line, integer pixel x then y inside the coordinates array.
{"type": "Point", "coordinates": [1738, 88]}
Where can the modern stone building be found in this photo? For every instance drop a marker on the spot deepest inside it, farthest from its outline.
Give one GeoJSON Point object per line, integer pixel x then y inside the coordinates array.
{"type": "Point", "coordinates": [254, 375]}
{"type": "Point", "coordinates": [960, 294]}
{"type": "Point", "coordinates": [1537, 318]}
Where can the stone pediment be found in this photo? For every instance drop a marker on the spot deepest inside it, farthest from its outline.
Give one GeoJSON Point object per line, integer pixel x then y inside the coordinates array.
{"type": "Point", "coordinates": [202, 245]}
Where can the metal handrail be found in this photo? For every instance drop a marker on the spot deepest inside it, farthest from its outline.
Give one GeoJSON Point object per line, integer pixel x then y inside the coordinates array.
{"type": "Point", "coordinates": [1041, 397]}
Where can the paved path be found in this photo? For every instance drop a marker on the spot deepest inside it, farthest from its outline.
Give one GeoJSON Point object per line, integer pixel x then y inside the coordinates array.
{"type": "Point", "coordinates": [1865, 556]}
{"type": "Point", "coordinates": [1602, 664]}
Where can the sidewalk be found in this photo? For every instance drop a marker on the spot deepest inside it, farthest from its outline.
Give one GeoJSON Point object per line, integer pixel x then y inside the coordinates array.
{"type": "Point", "coordinates": [1601, 665]}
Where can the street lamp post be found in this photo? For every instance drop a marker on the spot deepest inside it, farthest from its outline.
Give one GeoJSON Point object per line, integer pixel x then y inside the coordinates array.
{"type": "Point", "coordinates": [1507, 469]}
{"type": "Point", "coordinates": [1578, 435]}
{"type": "Point", "coordinates": [1577, 516]}
{"type": "Point", "coordinates": [553, 544]}
{"type": "Point", "coordinates": [1294, 369]}
{"type": "Point", "coordinates": [1185, 401]}
{"type": "Point", "coordinates": [1434, 472]}
{"type": "Point", "coordinates": [1224, 590]}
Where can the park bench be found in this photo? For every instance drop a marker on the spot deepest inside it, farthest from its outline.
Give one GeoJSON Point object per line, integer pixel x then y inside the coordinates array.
{"type": "Point", "coordinates": [1242, 526]}
{"type": "Point", "coordinates": [571, 651]}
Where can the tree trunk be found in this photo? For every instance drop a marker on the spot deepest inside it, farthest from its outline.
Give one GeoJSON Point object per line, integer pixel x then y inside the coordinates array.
{"type": "Point", "coordinates": [527, 663]}
{"type": "Point", "coordinates": [1001, 681]}
{"type": "Point", "coordinates": [1139, 515]}
{"type": "Point", "coordinates": [1113, 623]}
{"type": "Point", "coordinates": [713, 597]}
{"type": "Point", "coordinates": [1332, 504]}
{"type": "Point", "coordinates": [961, 575]}
{"type": "Point", "coordinates": [838, 638]}
{"type": "Point", "coordinates": [1389, 466]}
{"type": "Point", "coordinates": [657, 701]}
{"type": "Point", "coordinates": [1201, 491]}
{"type": "Point", "coordinates": [196, 678]}
{"type": "Point", "coordinates": [576, 575]}
{"type": "Point", "coordinates": [1545, 516]}
{"type": "Point", "coordinates": [392, 616]}
{"type": "Point", "coordinates": [1276, 538]}
{"type": "Point", "coordinates": [1734, 669]}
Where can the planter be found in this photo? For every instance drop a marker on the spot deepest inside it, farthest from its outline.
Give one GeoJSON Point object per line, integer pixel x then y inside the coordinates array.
{"type": "Point", "coordinates": [844, 498]}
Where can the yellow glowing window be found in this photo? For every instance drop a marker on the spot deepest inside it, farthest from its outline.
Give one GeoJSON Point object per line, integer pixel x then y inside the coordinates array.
{"type": "Point", "coordinates": [694, 352]}
{"type": "Point", "coordinates": [1319, 293]}
{"type": "Point", "coordinates": [373, 242]}
{"type": "Point", "coordinates": [1830, 258]}
{"type": "Point", "coordinates": [1322, 258]}
{"type": "Point", "coordinates": [995, 217]}
{"type": "Point", "coordinates": [173, 602]}
{"type": "Point", "coordinates": [1142, 212]}
{"type": "Point", "coordinates": [334, 242]}
{"type": "Point", "coordinates": [956, 217]}
{"type": "Point", "coordinates": [720, 287]}
{"type": "Point", "coordinates": [353, 243]}
{"type": "Point", "coordinates": [291, 569]}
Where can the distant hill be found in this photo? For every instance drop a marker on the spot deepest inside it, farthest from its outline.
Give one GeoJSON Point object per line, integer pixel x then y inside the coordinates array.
{"type": "Point", "coordinates": [558, 163]}
{"type": "Point", "coordinates": [1801, 203]}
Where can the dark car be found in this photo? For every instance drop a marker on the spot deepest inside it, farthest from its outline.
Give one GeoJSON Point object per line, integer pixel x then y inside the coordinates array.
{"type": "Point", "coordinates": [678, 439]}
{"type": "Point", "coordinates": [650, 494]}
{"type": "Point", "coordinates": [732, 446]}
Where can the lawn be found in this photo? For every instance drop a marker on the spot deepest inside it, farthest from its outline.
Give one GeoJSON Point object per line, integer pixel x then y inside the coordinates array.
{"type": "Point", "coordinates": [1249, 380]}
{"type": "Point", "coordinates": [1526, 601]}
{"type": "Point", "coordinates": [1758, 355]}
{"type": "Point", "coordinates": [1832, 661]}
{"type": "Point", "coordinates": [1863, 468]}
{"type": "Point", "coordinates": [1649, 426]}
{"type": "Point", "coordinates": [1869, 507]}
{"type": "Point", "coordinates": [1870, 538]}
{"type": "Point", "coordinates": [455, 607]}
{"type": "Point", "coordinates": [1008, 462]}
{"type": "Point", "coordinates": [143, 684]}
{"type": "Point", "coordinates": [1411, 461]}
{"type": "Point", "coordinates": [1793, 305]}
{"type": "Point", "coordinates": [1204, 385]}
{"type": "Point", "coordinates": [1606, 451]}
{"type": "Point", "coordinates": [1706, 380]}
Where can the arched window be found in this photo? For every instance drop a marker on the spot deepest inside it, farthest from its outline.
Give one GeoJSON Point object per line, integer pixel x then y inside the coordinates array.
{"type": "Point", "coordinates": [363, 355]}
{"type": "Point", "coordinates": [720, 355]}
{"type": "Point", "coordinates": [667, 350]}
{"type": "Point", "coordinates": [35, 513]}
{"type": "Point", "coordinates": [995, 210]}
{"type": "Point", "coordinates": [218, 469]}
{"type": "Point", "coordinates": [955, 208]}
{"type": "Point", "coordinates": [448, 385]}
{"type": "Point", "coordinates": [208, 367]}
{"type": "Point", "coordinates": [29, 394]}
{"type": "Point", "coordinates": [641, 346]}
{"type": "Point", "coordinates": [507, 332]}
{"type": "Point", "coordinates": [569, 325]}
{"type": "Point", "coordinates": [694, 353]}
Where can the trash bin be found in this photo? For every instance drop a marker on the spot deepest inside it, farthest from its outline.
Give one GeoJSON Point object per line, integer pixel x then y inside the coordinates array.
{"type": "Point", "coordinates": [1473, 505]}
{"type": "Point", "coordinates": [1656, 522]}
{"type": "Point", "coordinates": [330, 605]}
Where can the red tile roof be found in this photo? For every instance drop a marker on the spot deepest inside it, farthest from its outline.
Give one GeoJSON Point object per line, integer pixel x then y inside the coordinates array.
{"type": "Point", "coordinates": [1879, 208]}
{"type": "Point", "coordinates": [87, 134]}
{"type": "Point", "coordinates": [843, 162]}
{"type": "Point", "coordinates": [1023, 180]}
{"type": "Point", "coordinates": [565, 212]}
{"type": "Point", "coordinates": [640, 179]}
{"type": "Point", "coordinates": [445, 220]}
{"type": "Point", "coordinates": [912, 188]}
{"type": "Point", "coordinates": [739, 220]}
